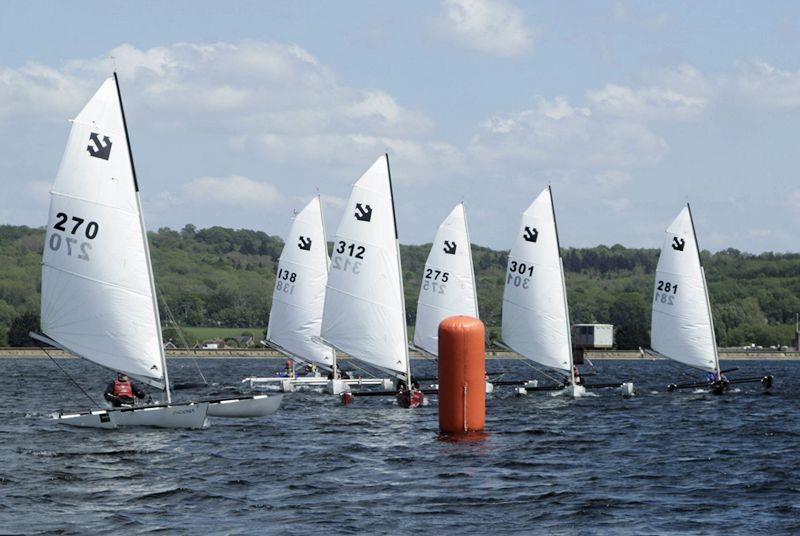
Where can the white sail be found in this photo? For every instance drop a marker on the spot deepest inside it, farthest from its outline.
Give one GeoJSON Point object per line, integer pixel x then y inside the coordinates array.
{"type": "Point", "coordinates": [97, 295]}
{"type": "Point", "coordinates": [448, 281]}
{"type": "Point", "coordinates": [682, 327]}
{"type": "Point", "coordinates": [364, 312]}
{"type": "Point", "coordinates": [535, 319]}
{"type": "Point", "coordinates": [295, 318]}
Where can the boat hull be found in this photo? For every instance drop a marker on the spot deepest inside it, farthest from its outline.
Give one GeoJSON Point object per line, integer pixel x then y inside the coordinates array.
{"type": "Point", "coordinates": [186, 415]}
{"type": "Point", "coordinates": [243, 407]}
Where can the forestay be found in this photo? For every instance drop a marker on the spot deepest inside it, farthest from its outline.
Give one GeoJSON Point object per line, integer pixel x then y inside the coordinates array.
{"type": "Point", "coordinates": [97, 297]}
{"type": "Point", "coordinates": [535, 319]}
{"type": "Point", "coordinates": [295, 318]}
{"type": "Point", "coordinates": [448, 282]}
{"type": "Point", "coordinates": [364, 312]}
{"type": "Point", "coordinates": [682, 327]}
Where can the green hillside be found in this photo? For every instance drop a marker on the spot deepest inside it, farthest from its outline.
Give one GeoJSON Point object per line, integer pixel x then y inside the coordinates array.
{"type": "Point", "coordinates": [224, 277]}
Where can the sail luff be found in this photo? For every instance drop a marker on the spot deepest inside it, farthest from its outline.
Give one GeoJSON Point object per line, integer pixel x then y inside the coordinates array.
{"type": "Point", "coordinates": [400, 274]}
{"type": "Point", "coordinates": [471, 264]}
{"type": "Point", "coordinates": [156, 315]}
{"type": "Point", "coordinates": [563, 288]}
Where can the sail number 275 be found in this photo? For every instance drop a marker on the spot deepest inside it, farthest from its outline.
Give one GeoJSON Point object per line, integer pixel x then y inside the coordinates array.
{"type": "Point", "coordinates": [665, 292]}
{"type": "Point", "coordinates": [74, 232]}
{"type": "Point", "coordinates": [434, 281]}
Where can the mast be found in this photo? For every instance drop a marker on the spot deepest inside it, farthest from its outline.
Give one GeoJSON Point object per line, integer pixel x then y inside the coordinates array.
{"type": "Point", "coordinates": [157, 317]}
{"type": "Point", "coordinates": [471, 265]}
{"type": "Point", "coordinates": [705, 292]}
{"type": "Point", "coordinates": [563, 289]}
{"type": "Point", "coordinates": [335, 364]}
{"type": "Point", "coordinates": [400, 274]}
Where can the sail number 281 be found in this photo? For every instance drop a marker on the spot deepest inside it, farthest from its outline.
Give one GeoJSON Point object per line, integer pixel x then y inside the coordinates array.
{"type": "Point", "coordinates": [665, 292]}
{"type": "Point", "coordinates": [71, 227]}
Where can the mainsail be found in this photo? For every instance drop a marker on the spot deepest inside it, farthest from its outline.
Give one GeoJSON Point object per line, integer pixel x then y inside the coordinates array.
{"type": "Point", "coordinates": [97, 290]}
{"type": "Point", "coordinates": [364, 312]}
{"type": "Point", "coordinates": [535, 315]}
{"type": "Point", "coordinates": [299, 296]}
{"type": "Point", "coordinates": [682, 327]}
{"type": "Point", "coordinates": [448, 282]}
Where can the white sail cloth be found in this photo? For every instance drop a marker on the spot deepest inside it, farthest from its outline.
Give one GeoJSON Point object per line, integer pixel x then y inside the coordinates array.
{"type": "Point", "coordinates": [97, 299]}
{"type": "Point", "coordinates": [682, 328]}
{"type": "Point", "coordinates": [364, 312]}
{"type": "Point", "coordinates": [535, 323]}
{"type": "Point", "coordinates": [448, 281]}
{"type": "Point", "coordinates": [295, 319]}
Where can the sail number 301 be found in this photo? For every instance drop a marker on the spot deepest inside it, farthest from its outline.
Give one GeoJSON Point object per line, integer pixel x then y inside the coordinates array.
{"type": "Point", "coordinates": [72, 228]}
{"type": "Point", "coordinates": [665, 292]}
{"type": "Point", "coordinates": [519, 274]}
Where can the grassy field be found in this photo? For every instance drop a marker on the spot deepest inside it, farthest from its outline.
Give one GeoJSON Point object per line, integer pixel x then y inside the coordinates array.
{"type": "Point", "coordinates": [204, 333]}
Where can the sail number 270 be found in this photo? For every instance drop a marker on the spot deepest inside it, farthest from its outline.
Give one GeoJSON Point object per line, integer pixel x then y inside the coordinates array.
{"type": "Point", "coordinates": [71, 227]}
{"type": "Point", "coordinates": [665, 292]}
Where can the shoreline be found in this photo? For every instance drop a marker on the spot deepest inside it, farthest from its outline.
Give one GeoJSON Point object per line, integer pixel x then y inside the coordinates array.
{"type": "Point", "coordinates": [244, 353]}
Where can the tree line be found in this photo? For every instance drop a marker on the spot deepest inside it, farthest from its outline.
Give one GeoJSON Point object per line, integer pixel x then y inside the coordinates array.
{"type": "Point", "coordinates": [224, 277]}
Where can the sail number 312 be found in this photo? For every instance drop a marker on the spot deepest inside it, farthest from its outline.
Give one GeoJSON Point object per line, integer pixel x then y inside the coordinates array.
{"type": "Point", "coordinates": [347, 253]}
{"type": "Point", "coordinates": [72, 227]}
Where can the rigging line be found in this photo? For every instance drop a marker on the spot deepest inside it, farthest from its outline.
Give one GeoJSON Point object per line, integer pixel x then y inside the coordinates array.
{"type": "Point", "coordinates": [42, 348]}
{"type": "Point", "coordinates": [183, 340]}
{"type": "Point", "coordinates": [542, 372]}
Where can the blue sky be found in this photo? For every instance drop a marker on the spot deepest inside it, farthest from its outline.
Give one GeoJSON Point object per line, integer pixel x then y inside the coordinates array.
{"type": "Point", "coordinates": [239, 111]}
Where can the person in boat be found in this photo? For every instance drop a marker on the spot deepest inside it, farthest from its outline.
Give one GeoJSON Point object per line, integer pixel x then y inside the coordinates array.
{"type": "Point", "coordinates": [122, 391]}
{"type": "Point", "coordinates": [288, 369]}
{"type": "Point", "coordinates": [578, 379]}
{"type": "Point", "coordinates": [711, 377]}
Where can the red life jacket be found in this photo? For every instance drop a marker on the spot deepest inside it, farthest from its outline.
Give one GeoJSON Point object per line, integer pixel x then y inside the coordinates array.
{"type": "Point", "coordinates": [123, 389]}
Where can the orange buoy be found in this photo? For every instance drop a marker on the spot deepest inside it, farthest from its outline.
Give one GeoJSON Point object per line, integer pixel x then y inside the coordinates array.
{"type": "Point", "coordinates": [462, 375]}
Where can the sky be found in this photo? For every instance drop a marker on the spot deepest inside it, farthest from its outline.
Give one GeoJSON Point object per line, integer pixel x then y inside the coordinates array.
{"type": "Point", "coordinates": [240, 112]}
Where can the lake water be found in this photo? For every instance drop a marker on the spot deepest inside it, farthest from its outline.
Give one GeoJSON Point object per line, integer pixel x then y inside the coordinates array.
{"type": "Point", "coordinates": [685, 462]}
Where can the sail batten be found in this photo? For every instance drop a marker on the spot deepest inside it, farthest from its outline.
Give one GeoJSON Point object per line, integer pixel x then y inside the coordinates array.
{"type": "Point", "coordinates": [364, 303]}
{"type": "Point", "coordinates": [534, 321]}
{"type": "Point", "coordinates": [448, 282]}
{"type": "Point", "coordinates": [97, 292]}
{"type": "Point", "coordinates": [299, 294]}
{"type": "Point", "coordinates": [682, 327]}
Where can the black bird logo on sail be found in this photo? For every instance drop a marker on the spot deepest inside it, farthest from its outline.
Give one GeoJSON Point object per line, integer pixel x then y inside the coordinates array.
{"type": "Point", "coordinates": [98, 149]}
{"type": "Point", "coordinates": [449, 247]}
{"type": "Point", "coordinates": [530, 235]}
{"type": "Point", "coordinates": [304, 243]}
{"type": "Point", "coordinates": [678, 243]}
{"type": "Point", "coordinates": [363, 212]}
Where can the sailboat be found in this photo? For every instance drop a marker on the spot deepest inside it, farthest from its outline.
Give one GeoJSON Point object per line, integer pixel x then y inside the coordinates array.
{"type": "Point", "coordinates": [682, 324]}
{"type": "Point", "coordinates": [98, 293]}
{"type": "Point", "coordinates": [535, 312]}
{"type": "Point", "coordinates": [448, 281]}
{"type": "Point", "coordinates": [295, 319]}
{"type": "Point", "coordinates": [364, 314]}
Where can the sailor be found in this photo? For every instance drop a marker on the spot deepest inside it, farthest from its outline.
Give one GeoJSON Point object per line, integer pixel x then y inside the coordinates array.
{"type": "Point", "coordinates": [121, 392]}
{"type": "Point", "coordinates": [577, 373]}
{"type": "Point", "coordinates": [288, 369]}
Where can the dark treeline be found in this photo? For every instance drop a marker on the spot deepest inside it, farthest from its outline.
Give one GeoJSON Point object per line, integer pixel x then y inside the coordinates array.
{"type": "Point", "coordinates": [224, 277]}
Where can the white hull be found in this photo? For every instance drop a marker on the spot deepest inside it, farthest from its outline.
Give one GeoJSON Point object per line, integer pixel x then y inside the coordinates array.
{"type": "Point", "coordinates": [251, 406]}
{"type": "Point", "coordinates": [289, 385]}
{"type": "Point", "coordinates": [182, 415]}
{"type": "Point", "coordinates": [575, 391]}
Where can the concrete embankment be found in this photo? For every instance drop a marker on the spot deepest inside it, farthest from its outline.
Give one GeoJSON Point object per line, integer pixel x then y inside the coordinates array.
{"type": "Point", "coordinates": [269, 354]}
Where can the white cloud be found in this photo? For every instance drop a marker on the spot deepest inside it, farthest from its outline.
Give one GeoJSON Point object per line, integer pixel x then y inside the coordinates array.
{"type": "Point", "coordinates": [646, 103]}
{"type": "Point", "coordinates": [490, 26]}
{"type": "Point", "coordinates": [765, 85]}
{"type": "Point", "coordinates": [556, 135]}
{"type": "Point", "coordinates": [234, 190]}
